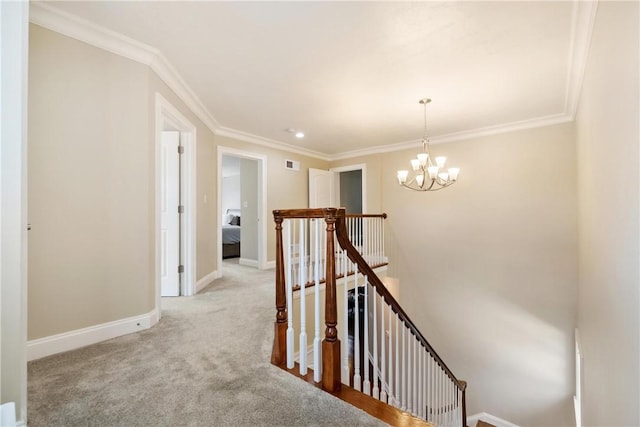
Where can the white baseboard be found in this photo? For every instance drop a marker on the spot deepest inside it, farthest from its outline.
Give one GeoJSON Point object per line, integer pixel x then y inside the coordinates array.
{"type": "Point", "coordinates": [498, 422]}
{"type": "Point", "coordinates": [43, 347]}
{"type": "Point", "coordinates": [269, 265]}
{"type": "Point", "coordinates": [248, 262]}
{"type": "Point", "coordinates": [202, 283]}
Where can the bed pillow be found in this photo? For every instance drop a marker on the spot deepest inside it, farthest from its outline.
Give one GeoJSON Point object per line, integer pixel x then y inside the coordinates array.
{"type": "Point", "coordinates": [235, 220]}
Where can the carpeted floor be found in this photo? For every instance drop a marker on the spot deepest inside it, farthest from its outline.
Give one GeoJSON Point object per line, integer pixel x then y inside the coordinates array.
{"type": "Point", "coordinates": [205, 364]}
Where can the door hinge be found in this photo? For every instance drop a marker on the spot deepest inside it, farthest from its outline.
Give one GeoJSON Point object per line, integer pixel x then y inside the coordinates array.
{"type": "Point", "coordinates": [180, 149]}
{"type": "Point", "coordinates": [180, 209]}
{"type": "Point", "coordinates": [181, 269]}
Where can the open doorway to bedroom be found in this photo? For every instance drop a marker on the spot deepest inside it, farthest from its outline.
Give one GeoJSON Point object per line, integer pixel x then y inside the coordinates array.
{"type": "Point", "coordinates": [241, 208]}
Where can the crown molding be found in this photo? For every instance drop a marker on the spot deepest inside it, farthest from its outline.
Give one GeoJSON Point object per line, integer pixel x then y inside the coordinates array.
{"type": "Point", "coordinates": [584, 17]}
{"type": "Point", "coordinates": [460, 136]}
{"type": "Point", "coordinates": [50, 17]}
{"type": "Point", "coordinates": [271, 143]}
{"type": "Point", "coordinates": [54, 19]}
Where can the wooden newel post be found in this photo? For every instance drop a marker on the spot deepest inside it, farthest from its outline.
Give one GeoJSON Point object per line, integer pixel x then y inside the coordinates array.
{"type": "Point", "coordinates": [464, 404]}
{"type": "Point", "coordinates": [279, 352]}
{"type": "Point", "coordinates": [331, 343]}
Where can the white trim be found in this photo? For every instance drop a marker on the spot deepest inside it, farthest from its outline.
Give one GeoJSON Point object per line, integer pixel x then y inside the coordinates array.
{"type": "Point", "coordinates": [262, 201]}
{"type": "Point", "coordinates": [269, 265]}
{"type": "Point", "coordinates": [73, 26]}
{"type": "Point", "coordinates": [361, 167]}
{"type": "Point", "coordinates": [498, 422]}
{"type": "Point", "coordinates": [577, 398]}
{"type": "Point", "coordinates": [249, 262]}
{"type": "Point", "coordinates": [583, 21]}
{"type": "Point", "coordinates": [271, 143]}
{"type": "Point", "coordinates": [14, 57]}
{"type": "Point", "coordinates": [81, 29]}
{"type": "Point", "coordinates": [167, 114]}
{"type": "Point", "coordinates": [206, 280]}
{"type": "Point", "coordinates": [459, 136]}
{"type": "Point", "coordinates": [72, 340]}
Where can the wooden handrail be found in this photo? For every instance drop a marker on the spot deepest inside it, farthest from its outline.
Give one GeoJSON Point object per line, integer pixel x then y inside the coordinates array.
{"type": "Point", "coordinates": [318, 213]}
{"type": "Point", "coordinates": [374, 280]}
{"type": "Point", "coordinates": [335, 219]}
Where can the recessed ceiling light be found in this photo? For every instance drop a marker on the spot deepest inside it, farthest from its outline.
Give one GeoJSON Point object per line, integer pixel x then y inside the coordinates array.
{"type": "Point", "coordinates": [299, 134]}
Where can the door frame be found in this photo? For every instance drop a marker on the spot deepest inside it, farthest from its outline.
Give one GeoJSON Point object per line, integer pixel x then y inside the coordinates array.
{"type": "Point", "coordinates": [262, 202]}
{"type": "Point", "coordinates": [169, 116]}
{"type": "Point", "coordinates": [336, 182]}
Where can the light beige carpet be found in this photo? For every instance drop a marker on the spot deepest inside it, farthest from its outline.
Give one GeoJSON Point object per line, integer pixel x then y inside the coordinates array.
{"type": "Point", "coordinates": [205, 364]}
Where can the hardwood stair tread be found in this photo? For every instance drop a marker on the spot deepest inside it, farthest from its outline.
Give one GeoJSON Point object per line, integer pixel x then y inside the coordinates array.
{"type": "Point", "coordinates": [374, 407]}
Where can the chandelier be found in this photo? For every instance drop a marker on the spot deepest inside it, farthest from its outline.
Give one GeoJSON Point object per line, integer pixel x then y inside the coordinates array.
{"type": "Point", "coordinates": [429, 176]}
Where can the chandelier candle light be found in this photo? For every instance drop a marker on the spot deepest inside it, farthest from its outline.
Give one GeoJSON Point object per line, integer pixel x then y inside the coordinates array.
{"type": "Point", "coordinates": [428, 176]}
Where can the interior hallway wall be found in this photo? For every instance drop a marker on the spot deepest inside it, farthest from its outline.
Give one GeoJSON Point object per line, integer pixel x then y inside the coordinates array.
{"type": "Point", "coordinates": [609, 286]}
{"type": "Point", "coordinates": [90, 249]}
{"type": "Point", "coordinates": [487, 269]}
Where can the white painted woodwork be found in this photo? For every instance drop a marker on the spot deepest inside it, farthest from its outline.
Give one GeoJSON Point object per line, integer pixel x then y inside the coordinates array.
{"type": "Point", "coordinates": [345, 116]}
{"type": "Point", "coordinates": [383, 360]}
{"type": "Point", "coordinates": [289, 285]}
{"type": "Point", "coordinates": [397, 368]}
{"type": "Point", "coordinates": [344, 347]}
{"type": "Point", "coordinates": [317, 340]}
{"type": "Point", "coordinates": [366, 385]}
{"type": "Point", "coordinates": [321, 191]}
{"type": "Point", "coordinates": [169, 217]}
{"type": "Point", "coordinates": [357, 379]}
{"type": "Point", "coordinates": [376, 366]}
{"type": "Point", "coordinates": [302, 281]}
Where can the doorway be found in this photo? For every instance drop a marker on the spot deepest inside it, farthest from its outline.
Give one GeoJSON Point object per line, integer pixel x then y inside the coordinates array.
{"type": "Point", "coordinates": [343, 186]}
{"type": "Point", "coordinates": [241, 208]}
{"type": "Point", "coordinates": [175, 148]}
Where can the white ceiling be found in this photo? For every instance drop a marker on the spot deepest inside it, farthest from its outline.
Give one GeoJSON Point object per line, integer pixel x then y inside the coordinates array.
{"type": "Point", "coordinates": [350, 74]}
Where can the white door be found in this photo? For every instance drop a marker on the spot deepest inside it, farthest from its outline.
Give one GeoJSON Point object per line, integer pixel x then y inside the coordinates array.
{"type": "Point", "coordinates": [169, 217]}
{"type": "Point", "coordinates": [321, 189]}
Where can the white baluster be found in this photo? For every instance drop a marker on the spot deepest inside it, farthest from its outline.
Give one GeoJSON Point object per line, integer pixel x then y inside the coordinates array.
{"type": "Point", "coordinates": [440, 395]}
{"type": "Point", "coordinates": [416, 378]}
{"type": "Point", "coordinates": [391, 396]}
{"type": "Point", "coordinates": [317, 347]}
{"type": "Point", "coordinates": [376, 365]}
{"type": "Point", "coordinates": [398, 363]}
{"type": "Point", "coordinates": [366, 386]}
{"type": "Point", "coordinates": [290, 333]}
{"type": "Point", "coordinates": [409, 372]}
{"type": "Point", "coordinates": [380, 240]}
{"type": "Point", "coordinates": [357, 380]}
{"type": "Point", "coordinates": [345, 324]}
{"type": "Point", "coordinates": [403, 378]}
{"type": "Point", "coordinates": [425, 382]}
{"type": "Point", "coordinates": [429, 383]}
{"type": "Point", "coordinates": [370, 240]}
{"type": "Point", "coordinates": [420, 410]}
{"type": "Point", "coordinates": [383, 346]}
{"type": "Point", "coordinates": [303, 305]}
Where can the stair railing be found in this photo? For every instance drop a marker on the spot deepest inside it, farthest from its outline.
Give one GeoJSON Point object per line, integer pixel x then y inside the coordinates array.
{"type": "Point", "coordinates": [387, 357]}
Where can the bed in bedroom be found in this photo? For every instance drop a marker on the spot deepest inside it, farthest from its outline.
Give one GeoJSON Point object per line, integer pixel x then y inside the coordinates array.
{"type": "Point", "coordinates": [231, 234]}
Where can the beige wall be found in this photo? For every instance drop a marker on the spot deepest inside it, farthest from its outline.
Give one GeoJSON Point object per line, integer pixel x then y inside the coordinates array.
{"type": "Point", "coordinates": [206, 172]}
{"type": "Point", "coordinates": [487, 268]}
{"type": "Point", "coordinates": [89, 195]}
{"type": "Point", "coordinates": [607, 141]}
{"type": "Point", "coordinates": [92, 183]}
{"type": "Point", "coordinates": [286, 189]}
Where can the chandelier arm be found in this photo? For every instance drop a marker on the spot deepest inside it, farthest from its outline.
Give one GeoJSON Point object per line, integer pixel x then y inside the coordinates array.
{"type": "Point", "coordinates": [433, 181]}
